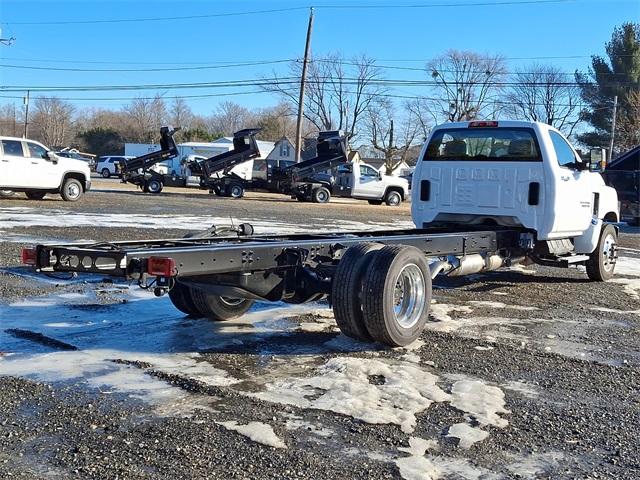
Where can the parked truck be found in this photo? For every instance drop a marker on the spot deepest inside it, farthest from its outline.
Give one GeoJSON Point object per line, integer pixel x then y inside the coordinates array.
{"type": "Point", "coordinates": [485, 195]}
{"type": "Point", "coordinates": [623, 174]}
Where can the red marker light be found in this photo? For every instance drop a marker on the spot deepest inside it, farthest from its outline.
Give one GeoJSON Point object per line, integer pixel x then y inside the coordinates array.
{"type": "Point", "coordinates": [161, 266]}
{"type": "Point", "coordinates": [29, 256]}
{"type": "Point", "coordinates": [483, 124]}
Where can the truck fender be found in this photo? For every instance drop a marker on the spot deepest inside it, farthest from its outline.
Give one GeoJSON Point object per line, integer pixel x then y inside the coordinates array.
{"type": "Point", "coordinates": [587, 242]}
{"type": "Point", "coordinates": [75, 174]}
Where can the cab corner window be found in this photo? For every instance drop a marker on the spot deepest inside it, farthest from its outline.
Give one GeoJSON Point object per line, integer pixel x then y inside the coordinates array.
{"type": "Point", "coordinates": [566, 157]}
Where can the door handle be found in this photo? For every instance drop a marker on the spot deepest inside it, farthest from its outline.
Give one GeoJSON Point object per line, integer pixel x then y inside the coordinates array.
{"type": "Point", "coordinates": [5, 161]}
{"type": "Point", "coordinates": [564, 179]}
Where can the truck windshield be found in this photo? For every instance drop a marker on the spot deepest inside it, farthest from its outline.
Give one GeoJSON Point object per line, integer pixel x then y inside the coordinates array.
{"type": "Point", "coordinates": [484, 144]}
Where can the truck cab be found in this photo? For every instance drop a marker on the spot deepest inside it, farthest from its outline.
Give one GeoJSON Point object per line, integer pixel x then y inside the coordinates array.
{"type": "Point", "coordinates": [516, 174]}
{"type": "Point", "coordinates": [362, 181]}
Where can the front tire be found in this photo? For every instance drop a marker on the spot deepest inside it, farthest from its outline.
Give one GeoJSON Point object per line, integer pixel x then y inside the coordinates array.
{"type": "Point", "coordinates": [219, 308]}
{"type": "Point", "coordinates": [602, 261]}
{"type": "Point", "coordinates": [71, 190]}
{"type": "Point", "coordinates": [235, 190]}
{"type": "Point", "coordinates": [396, 295]}
{"type": "Point", "coordinates": [35, 195]}
{"type": "Point", "coordinates": [105, 173]}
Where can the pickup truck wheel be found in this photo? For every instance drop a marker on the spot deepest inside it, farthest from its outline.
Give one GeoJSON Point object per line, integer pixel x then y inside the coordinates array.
{"type": "Point", "coordinates": [35, 195]}
{"type": "Point", "coordinates": [105, 173]}
{"type": "Point", "coordinates": [393, 198]}
{"type": "Point", "coordinates": [346, 290]}
{"type": "Point", "coordinates": [71, 190]}
{"type": "Point", "coordinates": [6, 193]}
{"type": "Point", "coordinates": [602, 260]}
{"type": "Point", "coordinates": [321, 195]}
{"type": "Point", "coordinates": [154, 186]}
{"type": "Point", "coordinates": [180, 296]}
{"type": "Point", "coordinates": [375, 202]}
{"type": "Point", "coordinates": [218, 308]}
{"type": "Point", "coordinates": [396, 295]}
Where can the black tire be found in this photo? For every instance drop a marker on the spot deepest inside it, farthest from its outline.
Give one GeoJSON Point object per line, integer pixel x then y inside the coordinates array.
{"type": "Point", "coordinates": [602, 261]}
{"type": "Point", "coordinates": [301, 198]}
{"type": "Point", "coordinates": [35, 195]}
{"type": "Point", "coordinates": [321, 195]}
{"type": "Point", "coordinates": [375, 202]}
{"type": "Point", "coordinates": [235, 190]}
{"type": "Point", "coordinates": [6, 193]}
{"type": "Point", "coordinates": [393, 198]}
{"type": "Point", "coordinates": [387, 268]}
{"type": "Point", "coordinates": [105, 173]}
{"type": "Point", "coordinates": [71, 190]}
{"type": "Point", "coordinates": [181, 299]}
{"type": "Point", "coordinates": [154, 186]}
{"type": "Point", "coordinates": [218, 308]}
{"type": "Point", "coordinates": [346, 290]}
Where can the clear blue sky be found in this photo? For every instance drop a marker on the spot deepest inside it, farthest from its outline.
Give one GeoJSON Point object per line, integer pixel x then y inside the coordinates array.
{"type": "Point", "coordinates": [577, 28]}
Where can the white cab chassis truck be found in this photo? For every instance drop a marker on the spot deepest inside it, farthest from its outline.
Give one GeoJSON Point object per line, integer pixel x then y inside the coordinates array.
{"type": "Point", "coordinates": [30, 167]}
{"type": "Point", "coordinates": [485, 195]}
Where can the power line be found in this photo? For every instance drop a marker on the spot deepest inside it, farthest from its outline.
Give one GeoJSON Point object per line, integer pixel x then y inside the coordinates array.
{"type": "Point", "coordinates": [169, 69]}
{"type": "Point", "coordinates": [290, 9]}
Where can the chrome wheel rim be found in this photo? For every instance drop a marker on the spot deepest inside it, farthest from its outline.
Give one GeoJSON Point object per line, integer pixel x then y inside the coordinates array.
{"type": "Point", "coordinates": [154, 187]}
{"type": "Point", "coordinates": [322, 196]}
{"type": "Point", "coordinates": [394, 199]}
{"type": "Point", "coordinates": [73, 190]}
{"type": "Point", "coordinates": [609, 252]}
{"type": "Point", "coordinates": [409, 296]}
{"type": "Point", "coordinates": [233, 302]}
{"type": "Point", "coordinates": [236, 191]}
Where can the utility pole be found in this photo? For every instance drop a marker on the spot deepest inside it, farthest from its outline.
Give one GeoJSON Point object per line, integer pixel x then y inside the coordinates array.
{"type": "Point", "coordinates": [303, 81]}
{"type": "Point", "coordinates": [613, 127]}
{"type": "Point", "coordinates": [26, 115]}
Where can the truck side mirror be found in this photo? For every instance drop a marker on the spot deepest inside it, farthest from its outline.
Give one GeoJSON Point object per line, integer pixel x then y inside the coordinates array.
{"type": "Point", "coordinates": [597, 159]}
{"type": "Point", "coordinates": [51, 156]}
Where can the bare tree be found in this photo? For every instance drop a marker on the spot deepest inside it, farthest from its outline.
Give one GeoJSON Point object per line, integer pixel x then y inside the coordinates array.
{"type": "Point", "coordinates": [465, 85]}
{"type": "Point", "coordinates": [338, 92]}
{"type": "Point", "coordinates": [52, 121]}
{"type": "Point", "coordinates": [393, 140]}
{"type": "Point", "coordinates": [10, 120]}
{"type": "Point", "coordinates": [628, 124]}
{"type": "Point", "coordinates": [541, 93]}
{"type": "Point", "coordinates": [180, 114]}
{"type": "Point", "coordinates": [146, 117]}
{"type": "Point", "coordinates": [230, 117]}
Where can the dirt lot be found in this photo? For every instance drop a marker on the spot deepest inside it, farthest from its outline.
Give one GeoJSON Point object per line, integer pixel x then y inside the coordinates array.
{"type": "Point", "coordinates": [521, 373]}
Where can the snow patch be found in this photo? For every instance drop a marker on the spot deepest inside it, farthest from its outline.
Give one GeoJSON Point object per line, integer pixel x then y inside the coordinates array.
{"type": "Point", "coordinates": [522, 388]}
{"type": "Point", "coordinates": [441, 313]}
{"type": "Point", "coordinates": [484, 402]}
{"type": "Point", "coordinates": [466, 434]}
{"type": "Point", "coordinates": [257, 431]}
{"type": "Point", "coordinates": [628, 266]}
{"type": "Point", "coordinates": [631, 286]}
{"type": "Point", "coordinates": [535, 465]}
{"type": "Point", "coordinates": [486, 303]}
{"type": "Point", "coordinates": [343, 386]}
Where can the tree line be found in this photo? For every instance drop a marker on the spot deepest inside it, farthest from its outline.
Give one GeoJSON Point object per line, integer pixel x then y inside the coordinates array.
{"type": "Point", "coordinates": [356, 95]}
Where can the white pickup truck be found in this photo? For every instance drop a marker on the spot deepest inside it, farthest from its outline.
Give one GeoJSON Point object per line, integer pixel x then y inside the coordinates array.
{"type": "Point", "coordinates": [362, 181]}
{"type": "Point", "coordinates": [30, 167]}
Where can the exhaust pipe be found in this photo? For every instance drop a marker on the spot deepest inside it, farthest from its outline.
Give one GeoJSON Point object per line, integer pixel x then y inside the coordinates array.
{"type": "Point", "coordinates": [459, 266]}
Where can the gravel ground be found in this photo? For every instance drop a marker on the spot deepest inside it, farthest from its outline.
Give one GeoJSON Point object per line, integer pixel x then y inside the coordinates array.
{"type": "Point", "coordinates": [564, 352]}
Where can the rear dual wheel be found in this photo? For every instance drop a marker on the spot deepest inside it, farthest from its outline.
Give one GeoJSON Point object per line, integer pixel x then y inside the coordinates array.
{"type": "Point", "coordinates": [382, 293]}
{"type": "Point", "coordinates": [198, 303]}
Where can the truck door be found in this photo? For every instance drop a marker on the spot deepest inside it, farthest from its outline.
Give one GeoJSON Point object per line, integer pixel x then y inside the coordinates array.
{"type": "Point", "coordinates": [46, 174]}
{"type": "Point", "coordinates": [368, 185]}
{"type": "Point", "coordinates": [343, 186]}
{"type": "Point", "coordinates": [573, 193]}
{"type": "Point", "coordinates": [15, 168]}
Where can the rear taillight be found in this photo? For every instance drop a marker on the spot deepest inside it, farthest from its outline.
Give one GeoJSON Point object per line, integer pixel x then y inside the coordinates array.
{"type": "Point", "coordinates": [161, 266]}
{"type": "Point", "coordinates": [492, 123]}
{"type": "Point", "coordinates": [29, 256]}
